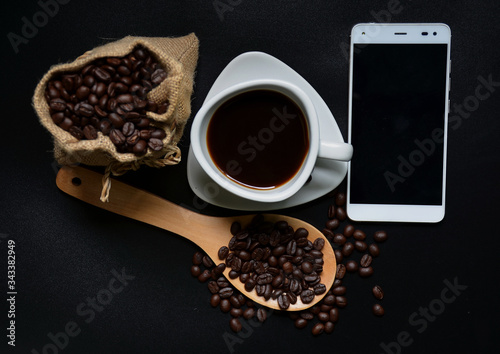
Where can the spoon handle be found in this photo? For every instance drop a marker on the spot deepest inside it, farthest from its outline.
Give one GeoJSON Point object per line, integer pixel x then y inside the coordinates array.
{"type": "Point", "coordinates": [140, 205]}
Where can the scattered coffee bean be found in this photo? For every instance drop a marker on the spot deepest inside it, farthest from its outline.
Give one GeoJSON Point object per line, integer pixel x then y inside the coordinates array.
{"type": "Point", "coordinates": [366, 260]}
{"type": "Point", "coordinates": [261, 315]}
{"type": "Point", "coordinates": [318, 329]}
{"type": "Point", "coordinates": [332, 224]}
{"type": "Point", "coordinates": [380, 236]}
{"type": "Point", "coordinates": [351, 266]}
{"type": "Point", "coordinates": [366, 272]}
{"type": "Point", "coordinates": [377, 292]}
{"type": "Point", "coordinates": [348, 230]}
{"type": "Point", "coordinates": [215, 300]}
{"type": "Point", "coordinates": [340, 199]}
{"type": "Point", "coordinates": [374, 250]}
{"type": "Point", "coordinates": [300, 323]}
{"type": "Point", "coordinates": [331, 211]}
{"type": "Point", "coordinates": [378, 310]}
{"type": "Point", "coordinates": [341, 214]}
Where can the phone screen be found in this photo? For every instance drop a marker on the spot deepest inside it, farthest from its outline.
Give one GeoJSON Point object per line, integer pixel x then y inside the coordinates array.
{"type": "Point", "coordinates": [397, 123]}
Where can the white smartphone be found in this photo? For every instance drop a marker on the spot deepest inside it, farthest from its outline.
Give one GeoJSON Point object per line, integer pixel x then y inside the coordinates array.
{"type": "Point", "coordinates": [398, 117]}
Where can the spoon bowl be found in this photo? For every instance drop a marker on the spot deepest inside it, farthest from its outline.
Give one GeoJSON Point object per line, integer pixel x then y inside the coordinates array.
{"type": "Point", "coordinates": [208, 232]}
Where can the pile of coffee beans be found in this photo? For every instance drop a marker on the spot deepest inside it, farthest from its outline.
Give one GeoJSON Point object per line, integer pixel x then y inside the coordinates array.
{"type": "Point", "coordinates": [223, 294]}
{"type": "Point", "coordinates": [325, 314]}
{"type": "Point", "coordinates": [275, 260]}
{"type": "Point", "coordinates": [109, 96]}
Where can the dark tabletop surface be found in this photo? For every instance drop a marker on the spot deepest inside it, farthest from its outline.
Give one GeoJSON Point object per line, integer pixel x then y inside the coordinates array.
{"type": "Point", "coordinates": [67, 251]}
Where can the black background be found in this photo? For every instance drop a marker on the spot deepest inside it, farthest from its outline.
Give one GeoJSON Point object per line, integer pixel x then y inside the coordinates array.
{"type": "Point", "coordinates": [66, 249]}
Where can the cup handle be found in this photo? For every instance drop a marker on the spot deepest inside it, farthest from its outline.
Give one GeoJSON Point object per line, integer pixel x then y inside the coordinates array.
{"type": "Point", "coordinates": [335, 151]}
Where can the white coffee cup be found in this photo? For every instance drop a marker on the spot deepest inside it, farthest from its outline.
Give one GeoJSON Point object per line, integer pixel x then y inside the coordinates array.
{"type": "Point", "coordinates": [317, 148]}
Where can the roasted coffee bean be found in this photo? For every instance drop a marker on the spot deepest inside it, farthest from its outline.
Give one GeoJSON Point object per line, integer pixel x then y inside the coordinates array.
{"type": "Point", "coordinates": [331, 211]}
{"type": "Point", "coordinates": [223, 252]}
{"type": "Point", "coordinates": [248, 313]}
{"type": "Point", "coordinates": [204, 276]}
{"type": "Point", "coordinates": [225, 293]}
{"type": "Point", "coordinates": [318, 329]}
{"type": "Point", "coordinates": [306, 267]}
{"type": "Point", "coordinates": [340, 271]}
{"type": "Point", "coordinates": [380, 236]}
{"type": "Point", "coordinates": [213, 287]}
{"type": "Point", "coordinates": [348, 230]}
{"type": "Point", "coordinates": [336, 282]}
{"type": "Point", "coordinates": [140, 147]}
{"type": "Point", "coordinates": [351, 266]}
{"type": "Point", "coordinates": [116, 120]}
{"type": "Point", "coordinates": [378, 292]}
{"type": "Point", "coordinates": [82, 93]}
{"type": "Point", "coordinates": [329, 327]}
{"type": "Point", "coordinates": [319, 243]}
{"type": "Point", "coordinates": [338, 256]}
{"type": "Point", "coordinates": [117, 137]}
{"type": "Point", "coordinates": [365, 272]}
{"type": "Point", "coordinates": [220, 269]}
{"type": "Point", "coordinates": [360, 246]}
{"type": "Point", "coordinates": [105, 127]}
{"type": "Point", "coordinates": [378, 310]}
{"type": "Point", "coordinates": [76, 132]}
{"type": "Point", "coordinates": [265, 278]}
{"type": "Point", "coordinates": [215, 300]}
{"type": "Point", "coordinates": [225, 305]}
{"type": "Point", "coordinates": [341, 301]}
{"type": "Point", "coordinates": [128, 129]}
{"type": "Point", "coordinates": [292, 298]}
{"type": "Point", "coordinates": [90, 132]}
{"type": "Point", "coordinates": [222, 282]}
{"type": "Point", "coordinates": [347, 249]}
{"type": "Point", "coordinates": [102, 75]}
{"type": "Point", "coordinates": [155, 144]}
{"type": "Point", "coordinates": [57, 117]}
{"type": "Point", "coordinates": [100, 112]}
{"type": "Point", "coordinates": [235, 228]}
{"type": "Point", "coordinates": [359, 235]}
{"type": "Point", "coordinates": [366, 260]}
{"type": "Point", "coordinates": [236, 312]}
{"type": "Point", "coordinates": [300, 323]}
{"type": "Point", "coordinates": [319, 289]}
{"type": "Point", "coordinates": [323, 316]}
{"type": "Point", "coordinates": [261, 315]}
{"type": "Point", "coordinates": [197, 258]}
{"type": "Point", "coordinates": [235, 301]}
{"type": "Point", "coordinates": [340, 199]}
{"type": "Point", "coordinates": [334, 314]}
{"type": "Point", "coordinates": [57, 105]}
{"type": "Point", "coordinates": [329, 300]}
{"type": "Point", "coordinates": [158, 134]}
{"type": "Point", "coordinates": [374, 250]}
{"type": "Point", "coordinates": [250, 285]}
{"type": "Point", "coordinates": [133, 139]}
{"type": "Point", "coordinates": [158, 76]}
{"type": "Point", "coordinates": [283, 302]}
{"type": "Point", "coordinates": [341, 214]}
{"type": "Point", "coordinates": [339, 290]}
{"type": "Point", "coordinates": [339, 239]}
{"type": "Point", "coordinates": [332, 224]}
{"type": "Point", "coordinates": [207, 262]}
{"type": "Point", "coordinates": [307, 296]}
{"type": "Point", "coordinates": [306, 315]}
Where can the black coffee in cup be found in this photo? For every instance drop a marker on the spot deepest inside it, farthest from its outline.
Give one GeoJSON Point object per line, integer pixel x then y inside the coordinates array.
{"type": "Point", "coordinates": [258, 138]}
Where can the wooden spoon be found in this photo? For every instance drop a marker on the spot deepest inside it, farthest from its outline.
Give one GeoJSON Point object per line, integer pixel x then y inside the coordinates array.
{"type": "Point", "coordinates": [208, 232]}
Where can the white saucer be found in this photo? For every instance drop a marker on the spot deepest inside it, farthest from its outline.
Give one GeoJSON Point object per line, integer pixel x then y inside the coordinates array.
{"type": "Point", "coordinates": [327, 174]}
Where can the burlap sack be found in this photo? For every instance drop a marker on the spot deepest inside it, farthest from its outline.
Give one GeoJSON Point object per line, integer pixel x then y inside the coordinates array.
{"type": "Point", "coordinates": [178, 56]}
